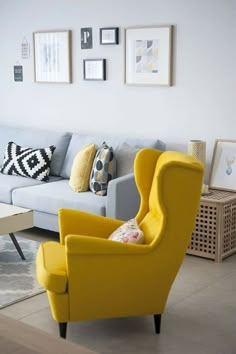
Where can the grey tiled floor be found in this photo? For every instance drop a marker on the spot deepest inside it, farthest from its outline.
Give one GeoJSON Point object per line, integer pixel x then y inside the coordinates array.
{"type": "Point", "coordinates": [200, 316]}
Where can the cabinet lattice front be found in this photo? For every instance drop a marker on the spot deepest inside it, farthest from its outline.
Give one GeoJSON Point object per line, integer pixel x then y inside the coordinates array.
{"type": "Point", "coordinates": [214, 235]}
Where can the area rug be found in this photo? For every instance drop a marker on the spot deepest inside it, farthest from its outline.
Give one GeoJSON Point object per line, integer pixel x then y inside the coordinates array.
{"type": "Point", "coordinates": [17, 276]}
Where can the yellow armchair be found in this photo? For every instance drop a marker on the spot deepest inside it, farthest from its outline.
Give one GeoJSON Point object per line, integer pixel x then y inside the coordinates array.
{"type": "Point", "coordinates": [90, 277]}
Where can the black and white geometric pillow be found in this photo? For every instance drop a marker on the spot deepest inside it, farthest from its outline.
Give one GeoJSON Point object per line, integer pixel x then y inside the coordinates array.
{"type": "Point", "coordinates": [27, 162]}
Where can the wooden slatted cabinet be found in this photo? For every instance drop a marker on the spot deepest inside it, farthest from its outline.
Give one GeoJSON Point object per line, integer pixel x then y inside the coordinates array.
{"type": "Point", "coordinates": [214, 235]}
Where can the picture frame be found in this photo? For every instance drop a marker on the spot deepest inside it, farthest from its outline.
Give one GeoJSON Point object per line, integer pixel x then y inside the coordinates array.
{"type": "Point", "coordinates": [52, 56]}
{"type": "Point", "coordinates": [109, 35]}
{"type": "Point", "coordinates": [86, 38]}
{"type": "Point", "coordinates": [223, 166]}
{"type": "Point", "coordinates": [148, 55]}
{"type": "Point", "coordinates": [18, 73]}
{"type": "Point", "coordinates": [94, 69]}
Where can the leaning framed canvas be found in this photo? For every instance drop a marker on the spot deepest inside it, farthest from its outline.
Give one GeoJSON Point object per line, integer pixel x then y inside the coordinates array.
{"type": "Point", "coordinates": [52, 56]}
{"type": "Point", "coordinates": [148, 55]}
{"type": "Point", "coordinates": [223, 166]}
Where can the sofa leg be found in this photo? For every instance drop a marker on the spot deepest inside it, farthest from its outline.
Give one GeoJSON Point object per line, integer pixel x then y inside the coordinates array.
{"type": "Point", "coordinates": [157, 322]}
{"type": "Point", "coordinates": [62, 329]}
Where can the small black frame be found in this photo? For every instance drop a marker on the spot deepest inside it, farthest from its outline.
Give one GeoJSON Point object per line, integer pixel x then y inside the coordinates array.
{"type": "Point", "coordinates": [109, 35]}
{"type": "Point", "coordinates": [94, 69]}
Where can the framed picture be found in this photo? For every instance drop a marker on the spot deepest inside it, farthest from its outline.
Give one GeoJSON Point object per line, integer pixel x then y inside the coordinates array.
{"type": "Point", "coordinates": [148, 56]}
{"type": "Point", "coordinates": [109, 35]}
{"type": "Point", "coordinates": [223, 165]}
{"type": "Point", "coordinates": [95, 69]}
{"type": "Point", "coordinates": [86, 38]}
{"type": "Point", "coordinates": [52, 56]}
{"type": "Point", "coordinates": [18, 72]}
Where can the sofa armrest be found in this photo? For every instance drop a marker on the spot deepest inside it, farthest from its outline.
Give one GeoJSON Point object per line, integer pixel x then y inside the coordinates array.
{"type": "Point", "coordinates": [122, 198]}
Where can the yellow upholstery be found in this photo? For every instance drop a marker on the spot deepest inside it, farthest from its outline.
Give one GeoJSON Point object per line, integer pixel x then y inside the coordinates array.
{"type": "Point", "coordinates": [51, 259]}
{"type": "Point", "coordinates": [100, 278]}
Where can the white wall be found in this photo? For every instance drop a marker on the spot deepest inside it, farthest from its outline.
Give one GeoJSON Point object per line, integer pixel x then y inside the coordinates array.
{"type": "Point", "coordinates": [200, 105]}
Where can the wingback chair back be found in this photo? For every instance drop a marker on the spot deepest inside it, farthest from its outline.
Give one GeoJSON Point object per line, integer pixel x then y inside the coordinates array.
{"type": "Point", "coordinates": [169, 184]}
{"type": "Point", "coordinates": [88, 276]}
{"type": "Point", "coordinates": [169, 195]}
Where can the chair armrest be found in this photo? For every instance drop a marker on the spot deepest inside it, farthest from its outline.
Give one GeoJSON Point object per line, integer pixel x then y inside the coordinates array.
{"type": "Point", "coordinates": [81, 223]}
{"type": "Point", "coordinates": [122, 198]}
{"type": "Point", "coordinates": [80, 245]}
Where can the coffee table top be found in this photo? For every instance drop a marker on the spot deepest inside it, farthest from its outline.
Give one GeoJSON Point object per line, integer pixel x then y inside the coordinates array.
{"type": "Point", "coordinates": [10, 210]}
{"type": "Point", "coordinates": [13, 219]}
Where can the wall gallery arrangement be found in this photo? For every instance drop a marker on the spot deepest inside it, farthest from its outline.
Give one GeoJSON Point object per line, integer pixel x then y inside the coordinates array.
{"type": "Point", "coordinates": [147, 59]}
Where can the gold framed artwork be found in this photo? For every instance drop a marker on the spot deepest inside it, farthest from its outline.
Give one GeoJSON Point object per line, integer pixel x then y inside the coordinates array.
{"type": "Point", "coordinates": [52, 56]}
{"type": "Point", "coordinates": [223, 166]}
{"type": "Point", "coordinates": [148, 55]}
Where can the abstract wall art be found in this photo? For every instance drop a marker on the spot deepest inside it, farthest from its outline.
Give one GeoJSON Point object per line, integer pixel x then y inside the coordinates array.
{"type": "Point", "coordinates": [148, 55]}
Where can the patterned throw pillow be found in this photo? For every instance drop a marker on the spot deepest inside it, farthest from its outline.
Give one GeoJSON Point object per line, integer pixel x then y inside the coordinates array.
{"type": "Point", "coordinates": [129, 232]}
{"type": "Point", "coordinates": [103, 170]}
{"type": "Point", "coordinates": [27, 162]}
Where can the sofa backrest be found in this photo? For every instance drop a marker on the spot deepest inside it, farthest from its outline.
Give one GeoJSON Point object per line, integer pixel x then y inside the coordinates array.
{"type": "Point", "coordinates": [36, 138]}
{"type": "Point", "coordinates": [78, 141]}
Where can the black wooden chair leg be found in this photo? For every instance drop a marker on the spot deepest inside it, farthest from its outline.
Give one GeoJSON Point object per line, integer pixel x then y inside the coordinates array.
{"type": "Point", "coordinates": [62, 329]}
{"type": "Point", "coordinates": [157, 322]}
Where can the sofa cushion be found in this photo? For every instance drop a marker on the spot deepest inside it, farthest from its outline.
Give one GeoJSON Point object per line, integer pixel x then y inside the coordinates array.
{"type": "Point", "coordinates": [125, 156]}
{"type": "Point", "coordinates": [78, 141]}
{"type": "Point", "coordinates": [9, 183]}
{"type": "Point", "coordinates": [103, 170]}
{"type": "Point", "coordinates": [37, 138]}
{"type": "Point", "coordinates": [27, 162]}
{"type": "Point", "coordinates": [81, 168]}
{"type": "Point", "coordinates": [51, 266]}
{"type": "Point", "coordinates": [49, 198]}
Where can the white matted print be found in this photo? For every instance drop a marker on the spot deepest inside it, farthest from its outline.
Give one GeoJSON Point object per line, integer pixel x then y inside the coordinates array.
{"type": "Point", "coordinates": [109, 35]}
{"type": "Point", "coordinates": [148, 55]}
{"type": "Point", "coordinates": [223, 167]}
{"type": "Point", "coordinates": [52, 56]}
{"type": "Point", "coordinates": [95, 69]}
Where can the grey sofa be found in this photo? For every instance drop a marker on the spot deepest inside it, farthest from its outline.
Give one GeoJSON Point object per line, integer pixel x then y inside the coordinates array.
{"type": "Point", "coordinates": [45, 199]}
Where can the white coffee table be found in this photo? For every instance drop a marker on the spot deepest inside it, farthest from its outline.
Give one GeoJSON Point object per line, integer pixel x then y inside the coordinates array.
{"type": "Point", "coordinates": [13, 219]}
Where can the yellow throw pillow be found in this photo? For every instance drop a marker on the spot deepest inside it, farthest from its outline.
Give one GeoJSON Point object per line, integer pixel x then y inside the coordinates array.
{"type": "Point", "coordinates": [81, 168]}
